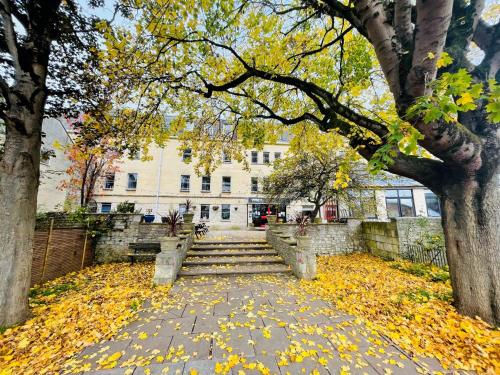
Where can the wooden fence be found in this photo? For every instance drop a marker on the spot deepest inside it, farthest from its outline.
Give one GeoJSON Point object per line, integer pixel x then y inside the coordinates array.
{"type": "Point", "coordinates": [59, 247]}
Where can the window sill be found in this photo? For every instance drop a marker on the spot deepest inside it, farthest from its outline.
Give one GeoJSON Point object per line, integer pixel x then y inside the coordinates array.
{"type": "Point", "coordinates": [130, 189]}
{"type": "Point", "coordinates": [205, 191]}
{"type": "Point", "coordinates": [108, 189]}
{"type": "Point", "coordinates": [184, 191]}
{"type": "Point", "coordinates": [225, 192]}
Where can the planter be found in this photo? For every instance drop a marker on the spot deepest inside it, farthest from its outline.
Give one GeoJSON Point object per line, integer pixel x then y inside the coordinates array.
{"type": "Point", "coordinates": [149, 218]}
{"type": "Point", "coordinates": [168, 244]}
{"type": "Point", "coordinates": [188, 217]}
{"type": "Point", "coordinates": [317, 220]}
{"type": "Point", "coordinates": [271, 219]}
{"type": "Point", "coordinates": [304, 242]}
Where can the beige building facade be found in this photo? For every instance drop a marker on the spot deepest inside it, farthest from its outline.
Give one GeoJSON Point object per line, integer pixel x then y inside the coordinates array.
{"type": "Point", "coordinates": [231, 196]}
{"type": "Point", "coordinates": [226, 198]}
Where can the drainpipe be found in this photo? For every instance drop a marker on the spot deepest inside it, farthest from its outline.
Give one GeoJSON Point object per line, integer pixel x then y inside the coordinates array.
{"type": "Point", "coordinates": [160, 165]}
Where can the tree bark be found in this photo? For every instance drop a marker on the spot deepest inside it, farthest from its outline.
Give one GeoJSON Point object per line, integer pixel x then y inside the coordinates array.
{"type": "Point", "coordinates": [471, 222]}
{"type": "Point", "coordinates": [19, 174]}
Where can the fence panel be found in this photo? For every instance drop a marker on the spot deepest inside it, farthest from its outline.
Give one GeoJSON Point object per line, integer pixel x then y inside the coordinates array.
{"type": "Point", "coordinates": [418, 254]}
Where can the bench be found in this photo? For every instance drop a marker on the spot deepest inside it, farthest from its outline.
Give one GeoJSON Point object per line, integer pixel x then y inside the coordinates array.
{"type": "Point", "coordinates": [142, 250]}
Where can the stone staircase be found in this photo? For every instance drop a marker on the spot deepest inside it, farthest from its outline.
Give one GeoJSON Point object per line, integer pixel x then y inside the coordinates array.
{"type": "Point", "coordinates": [232, 258]}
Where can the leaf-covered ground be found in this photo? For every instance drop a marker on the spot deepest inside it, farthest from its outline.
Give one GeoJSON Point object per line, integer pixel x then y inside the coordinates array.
{"type": "Point", "coordinates": [413, 311]}
{"type": "Point", "coordinates": [74, 311]}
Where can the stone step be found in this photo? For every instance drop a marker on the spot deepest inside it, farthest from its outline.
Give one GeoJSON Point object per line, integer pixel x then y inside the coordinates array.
{"type": "Point", "coordinates": [233, 242]}
{"type": "Point", "coordinates": [233, 270]}
{"type": "Point", "coordinates": [230, 247]}
{"type": "Point", "coordinates": [193, 261]}
{"type": "Point", "coordinates": [231, 252]}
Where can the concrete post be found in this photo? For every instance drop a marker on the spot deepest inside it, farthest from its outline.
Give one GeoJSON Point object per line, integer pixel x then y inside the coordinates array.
{"type": "Point", "coordinates": [167, 262]}
{"type": "Point", "coordinates": [305, 259]}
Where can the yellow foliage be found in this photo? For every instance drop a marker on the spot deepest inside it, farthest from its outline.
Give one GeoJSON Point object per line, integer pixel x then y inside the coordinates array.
{"type": "Point", "coordinates": [367, 287]}
{"type": "Point", "coordinates": [103, 301]}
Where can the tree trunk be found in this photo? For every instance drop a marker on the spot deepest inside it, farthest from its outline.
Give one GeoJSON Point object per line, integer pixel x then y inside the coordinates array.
{"type": "Point", "coordinates": [471, 222]}
{"type": "Point", "coordinates": [19, 174]}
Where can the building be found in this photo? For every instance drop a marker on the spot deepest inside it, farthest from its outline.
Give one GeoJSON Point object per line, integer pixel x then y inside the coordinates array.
{"type": "Point", "coordinates": [53, 164]}
{"type": "Point", "coordinates": [231, 198]}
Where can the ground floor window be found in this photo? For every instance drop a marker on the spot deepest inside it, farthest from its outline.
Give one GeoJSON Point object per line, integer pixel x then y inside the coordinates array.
{"type": "Point", "coordinates": [399, 202]}
{"type": "Point", "coordinates": [105, 208]}
{"type": "Point", "coordinates": [205, 212]}
{"type": "Point", "coordinates": [226, 212]}
{"type": "Point", "coordinates": [433, 204]}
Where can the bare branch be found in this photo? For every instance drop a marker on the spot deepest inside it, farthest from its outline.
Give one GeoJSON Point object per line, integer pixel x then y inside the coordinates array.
{"type": "Point", "coordinates": [9, 33]}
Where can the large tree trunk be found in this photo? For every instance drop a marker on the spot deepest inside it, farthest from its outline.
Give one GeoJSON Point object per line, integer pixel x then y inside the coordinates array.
{"type": "Point", "coordinates": [19, 176]}
{"type": "Point", "coordinates": [471, 222]}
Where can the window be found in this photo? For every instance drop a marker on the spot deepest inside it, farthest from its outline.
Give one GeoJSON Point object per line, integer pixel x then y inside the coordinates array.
{"type": "Point", "coordinates": [205, 183]}
{"type": "Point", "coordinates": [255, 157]}
{"type": "Point", "coordinates": [205, 212]}
{"type": "Point", "coordinates": [105, 208]}
{"type": "Point", "coordinates": [226, 212]}
{"type": "Point", "coordinates": [226, 158]}
{"type": "Point", "coordinates": [254, 184]}
{"type": "Point", "coordinates": [226, 184]}
{"type": "Point", "coordinates": [182, 208]}
{"type": "Point", "coordinates": [277, 155]}
{"type": "Point", "coordinates": [186, 155]}
{"type": "Point", "coordinates": [285, 136]}
{"type": "Point", "coordinates": [132, 181]}
{"type": "Point", "coordinates": [433, 204]}
{"type": "Point", "coordinates": [109, 181]}
{"type": "Point", "coordinates": [185, 179]}
{"type": "Point", "coordinates": [399, 203]}
{"type": "Point", "coordinates": [266, 157]}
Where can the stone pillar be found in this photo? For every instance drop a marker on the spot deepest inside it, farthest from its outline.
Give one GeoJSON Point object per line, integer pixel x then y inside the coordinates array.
{"type": "Point", "coordinates": [305, 259]}
{"type": "Point", "coordinates": [167, 262]}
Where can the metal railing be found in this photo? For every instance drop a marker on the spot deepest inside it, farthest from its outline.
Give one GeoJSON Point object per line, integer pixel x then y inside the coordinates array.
{"type": "Point", "coordinates": [419, 254]}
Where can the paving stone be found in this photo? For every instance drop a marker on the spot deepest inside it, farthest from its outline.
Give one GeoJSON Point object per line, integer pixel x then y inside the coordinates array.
{"type": "Point", "coordinates": [268, 361]}
{"type": "Point", "coordinates": [239, 340]}
{"type": "Point", "coordinates": [195, 345]}
{"type": "Point", "coordinates": [208, 323]}
{"type": "Point", "coordinates": [177, 326]}
{"type": "Point", "coordinates": [188, 329]}
{"type": "Point", "coordinates": [244, 320]}
{"type": "Point", "coordinates": [392, 359]}
{"type": "Point", "coordinates": [161, 369]}
{"type": "Point", "coordinates": [225, 308]}
{"type": "Point", "coordinates": [108, 347]}
{"type": "Point", "coordinates": [307, 366]}
{"type": "Point", "coordinates": [114, 371]}
{"type": "Point", "coordinates": [195, 309]}
{"type": "Point", "coordinates": [202, 367]}
{"type": "Point", "coordinates": [277, 342]}
{"type": "Point", "coordinates": [274, 318]}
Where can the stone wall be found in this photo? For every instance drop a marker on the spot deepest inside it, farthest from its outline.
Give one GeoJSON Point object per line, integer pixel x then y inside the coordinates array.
{"type": "Point", "coordinates": [299, 256]}
{"type": "Point", "coordinates": [381, 238]}
{"type": "Point", "coordinates": [389, 238]}
{"type": "Point", "coordinates": [113, 243]}
{"type": "Point", "coordinates": [331, 238]}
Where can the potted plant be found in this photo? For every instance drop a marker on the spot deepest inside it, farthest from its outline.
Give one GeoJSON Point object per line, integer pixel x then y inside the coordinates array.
{"type": "Point", "coordinates": [174, 223]}
{"type": "Point", "coordinates": [148, 216]}
{"type": "Point", "coordinates": [303, 240]}
{"type": "Point", "coordinates": [188, 215]}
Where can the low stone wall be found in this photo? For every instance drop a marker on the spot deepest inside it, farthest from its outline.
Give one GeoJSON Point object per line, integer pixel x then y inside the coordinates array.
{"type": "Point", "coordinates": [113, 244]}
{"type": "Point", "coordinates": [331, 238]}
{"type": "Point", "coordinates": [149, 232]}
{"type": "Point", "coordinates": [300, 257]}
{"type": "Point", "coordinates": [389, 238]}
{"type": "Point", "coordinates": [381, 238]}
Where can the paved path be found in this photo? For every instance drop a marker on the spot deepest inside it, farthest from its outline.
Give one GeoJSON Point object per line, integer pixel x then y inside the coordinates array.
{"type": "Point", "coordinates": [246, 325]}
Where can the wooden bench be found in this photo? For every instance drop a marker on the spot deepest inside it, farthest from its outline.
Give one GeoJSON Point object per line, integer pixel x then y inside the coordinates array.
{"type": "Point", "coordinates": [143, 249]}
